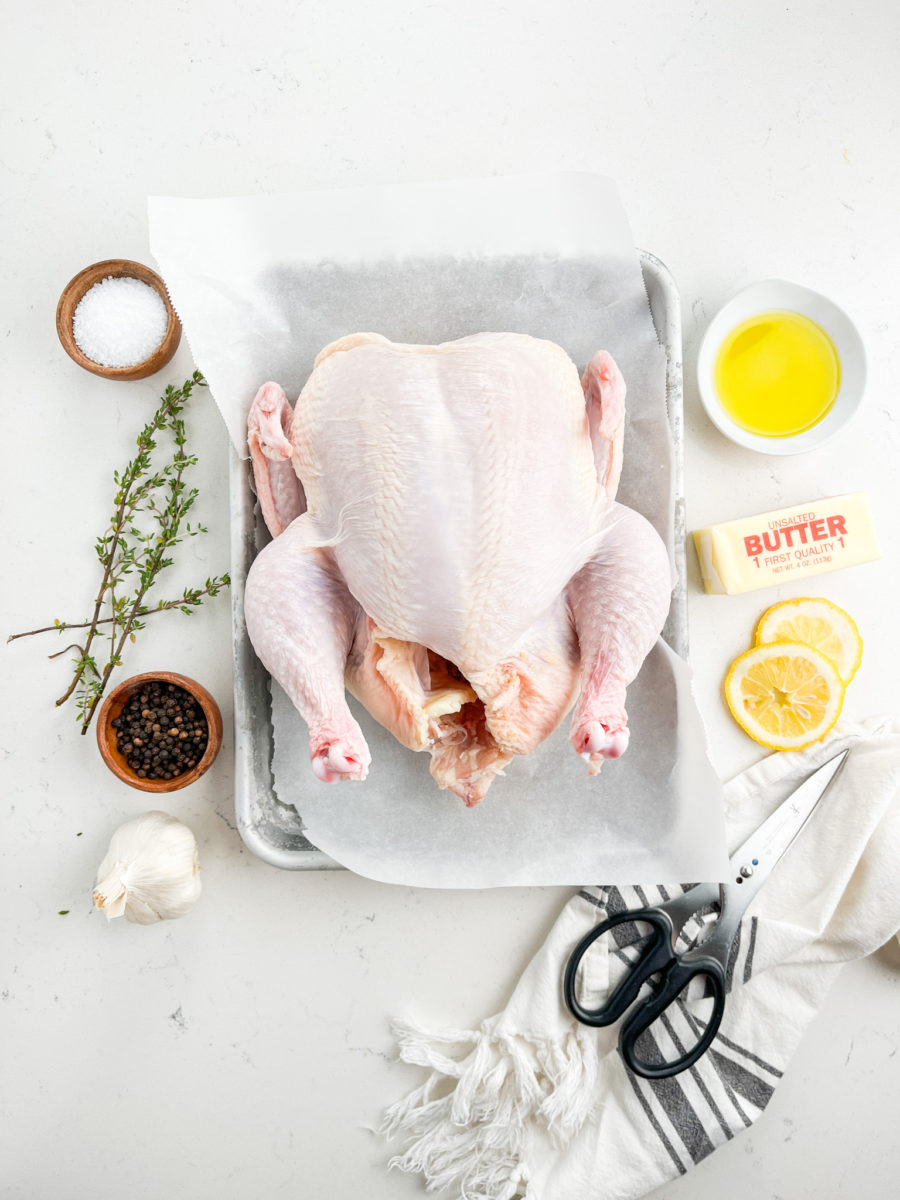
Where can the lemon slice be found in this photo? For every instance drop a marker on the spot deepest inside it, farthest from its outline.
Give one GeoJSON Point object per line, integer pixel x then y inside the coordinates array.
{"type": "Point", "coordinates": [816, 622]}
{"type": "Point", "coordinates": [785, 695]}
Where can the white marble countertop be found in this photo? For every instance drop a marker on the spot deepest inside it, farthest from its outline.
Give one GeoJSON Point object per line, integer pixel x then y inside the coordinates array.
{"type": "Point", "coordinates": [245, 1051]}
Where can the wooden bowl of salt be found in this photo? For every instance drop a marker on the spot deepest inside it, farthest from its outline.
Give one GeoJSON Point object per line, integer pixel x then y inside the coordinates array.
{"type": "Point", "coordinates": [115, 319]}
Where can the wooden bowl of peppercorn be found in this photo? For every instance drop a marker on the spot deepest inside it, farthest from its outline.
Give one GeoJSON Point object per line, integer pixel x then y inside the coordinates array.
{"type": "Point", "coordinates": [160, 731]}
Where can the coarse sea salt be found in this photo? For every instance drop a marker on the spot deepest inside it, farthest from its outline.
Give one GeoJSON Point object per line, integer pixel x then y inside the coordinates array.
{"type": "Point", "coordinates": [119, 322]}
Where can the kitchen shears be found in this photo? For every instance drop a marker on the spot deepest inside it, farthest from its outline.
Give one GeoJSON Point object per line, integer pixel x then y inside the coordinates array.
{"type": "Point", "coordinates": [749, 868]}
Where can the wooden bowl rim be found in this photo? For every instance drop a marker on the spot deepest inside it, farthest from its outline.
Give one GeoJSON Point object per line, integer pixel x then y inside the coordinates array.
{"type": "Point", "coordinates": [81, 283]}
{"type": "Point", "coordinates": [115, 702]}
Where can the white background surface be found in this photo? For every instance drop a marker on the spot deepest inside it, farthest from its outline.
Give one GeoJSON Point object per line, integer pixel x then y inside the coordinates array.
{"type": "Point", "coordinates": [245, 1051]}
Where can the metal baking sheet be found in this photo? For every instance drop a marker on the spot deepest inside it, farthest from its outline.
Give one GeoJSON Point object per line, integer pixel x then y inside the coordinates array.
{"type": "Point", "coordinates": [274, 831]}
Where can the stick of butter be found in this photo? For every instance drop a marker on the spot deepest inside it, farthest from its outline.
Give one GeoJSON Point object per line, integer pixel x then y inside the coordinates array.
{"type": "Point", "coordinates": [788, 545]}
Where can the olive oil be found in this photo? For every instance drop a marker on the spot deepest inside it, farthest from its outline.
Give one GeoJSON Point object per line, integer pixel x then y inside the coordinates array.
{"type": "Point", "coordinates": [777, 374]}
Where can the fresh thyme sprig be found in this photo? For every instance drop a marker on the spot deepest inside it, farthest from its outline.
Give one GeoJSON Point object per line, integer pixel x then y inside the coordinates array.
{"type": "Point", "coordinates": [192, 597]}
{"type": "Point", "coordinates": [130, 546]}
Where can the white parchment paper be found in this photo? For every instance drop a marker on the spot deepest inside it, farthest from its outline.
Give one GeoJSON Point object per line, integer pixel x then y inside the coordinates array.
{"type": "Point", "coordinates": [261, 284]}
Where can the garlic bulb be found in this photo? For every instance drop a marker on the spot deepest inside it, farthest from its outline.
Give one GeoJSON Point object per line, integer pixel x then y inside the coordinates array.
{"type": "Point", "coordinates": [150, 872]}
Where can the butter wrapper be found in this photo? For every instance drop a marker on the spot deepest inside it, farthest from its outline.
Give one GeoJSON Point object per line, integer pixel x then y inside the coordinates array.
{"type": "Point", "coordinates": [788, 545]}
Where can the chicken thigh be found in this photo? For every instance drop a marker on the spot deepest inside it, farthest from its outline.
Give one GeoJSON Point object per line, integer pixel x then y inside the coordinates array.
{"type": "Point", "coordinates": [447, 547]}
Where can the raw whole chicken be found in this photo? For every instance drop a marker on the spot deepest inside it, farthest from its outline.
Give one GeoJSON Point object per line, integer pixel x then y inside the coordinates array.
{"type": "Point", "coordinates": [446, 545]}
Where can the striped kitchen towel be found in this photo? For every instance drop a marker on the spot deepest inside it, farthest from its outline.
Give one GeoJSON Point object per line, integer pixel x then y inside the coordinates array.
{"type": "Point", "coordinates": [532, 1104]}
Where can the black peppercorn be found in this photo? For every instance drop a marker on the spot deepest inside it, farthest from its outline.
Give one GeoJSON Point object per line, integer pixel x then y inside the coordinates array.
{"type": "Point", "coordinates": [160, 732]}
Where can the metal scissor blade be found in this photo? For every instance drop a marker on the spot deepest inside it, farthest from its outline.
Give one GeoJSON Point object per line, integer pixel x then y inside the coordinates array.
{"type": "Point", "coordinates": [753, 862]}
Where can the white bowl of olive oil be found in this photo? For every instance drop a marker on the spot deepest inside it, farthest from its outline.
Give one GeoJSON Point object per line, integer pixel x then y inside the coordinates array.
{"type": "Point", "coordinates": [781, 368]}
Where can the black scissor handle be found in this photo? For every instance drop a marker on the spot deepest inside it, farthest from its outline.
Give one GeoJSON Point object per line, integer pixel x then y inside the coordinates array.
{"type": "Point", "coordinates": [679, 974]}
{"type": "Point", "coordinates": [656, 957]}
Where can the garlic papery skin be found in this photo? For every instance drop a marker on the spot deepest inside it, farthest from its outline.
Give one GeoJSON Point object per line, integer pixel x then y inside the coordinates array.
{"type": "Point", "coordinates": [150, 872]}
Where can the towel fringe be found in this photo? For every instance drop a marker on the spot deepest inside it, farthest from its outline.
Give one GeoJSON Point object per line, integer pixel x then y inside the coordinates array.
{"type": "Point", "coordinates": [472, 1136]}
